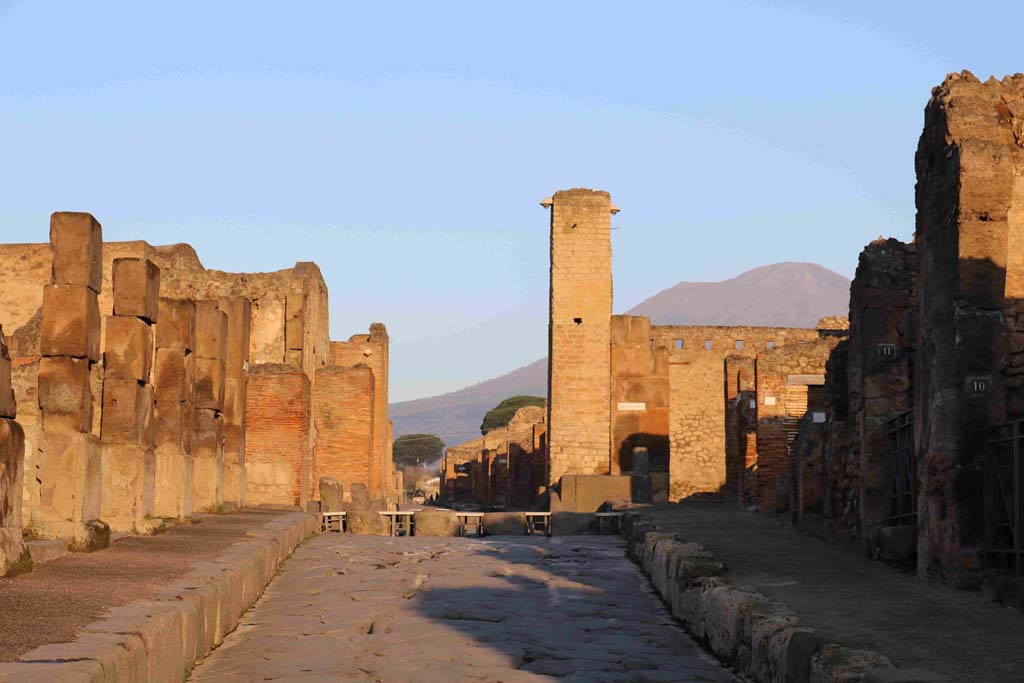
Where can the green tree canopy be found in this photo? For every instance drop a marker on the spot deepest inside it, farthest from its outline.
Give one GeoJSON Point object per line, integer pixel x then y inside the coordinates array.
{"type": "Point", "coordinates": [501, 414]}
{"type": "Point", "coordinates": [416, 449]}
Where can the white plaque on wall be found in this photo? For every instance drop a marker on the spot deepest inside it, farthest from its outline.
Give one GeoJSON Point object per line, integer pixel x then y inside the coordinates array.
{"type": "Point", "coordinates": [753, 404]}
{"type": "Point", "coordinates": [632, 406]}
{"type": "Point", "coordinates": [818, 417]}
{"type": "Point", "coordinates": [769, 400]}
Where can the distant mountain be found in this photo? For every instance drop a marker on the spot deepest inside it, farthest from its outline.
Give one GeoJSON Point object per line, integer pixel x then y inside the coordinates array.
{"type": "Point", "coordinates": [782, 294]}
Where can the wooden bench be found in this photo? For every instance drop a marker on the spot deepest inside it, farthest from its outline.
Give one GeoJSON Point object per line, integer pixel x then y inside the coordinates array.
{"type": "Point", "coordinates": [332, 521]}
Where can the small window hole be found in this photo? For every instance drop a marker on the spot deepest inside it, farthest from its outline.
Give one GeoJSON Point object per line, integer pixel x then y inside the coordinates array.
{"type": "Point", "coordinates": [707, 344]}
{"type": "Point", "coordinates": [739, 344]}
{"type": "Point", "coordinates": [578, 321]}
{"type": "Point", "coordinates": [678, 343]}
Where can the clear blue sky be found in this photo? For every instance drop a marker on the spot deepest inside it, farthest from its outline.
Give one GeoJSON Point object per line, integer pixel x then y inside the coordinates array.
{"type": "Point", "coordinates": [404, 147]}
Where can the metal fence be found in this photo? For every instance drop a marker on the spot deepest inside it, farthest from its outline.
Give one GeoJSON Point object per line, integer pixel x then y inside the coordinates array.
{"type": "Point", "coordinates": [900, 438]}
{"type": "Point", "coordinates": [1004, 494]}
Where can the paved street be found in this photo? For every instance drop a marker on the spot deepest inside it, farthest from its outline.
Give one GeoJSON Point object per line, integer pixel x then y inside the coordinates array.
{"type": "Point", "coordinates": [439, 610]}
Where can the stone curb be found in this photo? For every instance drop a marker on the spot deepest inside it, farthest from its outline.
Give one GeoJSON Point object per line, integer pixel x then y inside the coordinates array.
{"type": "Point", "coordinates": [747, 631]}
{"type": "Point", "coordinates": [162, 639]}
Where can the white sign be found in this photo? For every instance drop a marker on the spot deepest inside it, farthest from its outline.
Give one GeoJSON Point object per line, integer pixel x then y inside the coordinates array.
{"type": "Point", "coordinates": [818, 417]}
{"type": "Point", "coordinates": [753, 404]}
{"type": "Point", "coordinates": [769, 400]}
{"type": "Point", "coordinates": [632, 406]}
{"type": "Point", "coordinates": [245, 365]}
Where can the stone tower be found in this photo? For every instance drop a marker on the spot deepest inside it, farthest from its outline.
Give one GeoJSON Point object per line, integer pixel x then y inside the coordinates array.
{"type": "Point", "coordinates": [579, 332]}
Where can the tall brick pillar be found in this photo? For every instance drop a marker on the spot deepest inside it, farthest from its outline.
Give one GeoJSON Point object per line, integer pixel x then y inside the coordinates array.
{"type": "Point", "coordinates": [343, 410]}
{"type": "Point", "coordinates": [579, 333]}
{"type": "Point", "coordinates": [210, 370]}
{"type": "Point", "coordinates": [129, 458]}
{"type": "Point", "coordinates": [970, 247]}
{"type": "Point", "coordinates": [14, 556]}
{"type": "Point", "coordinates": [239, 316]}
{"type": "Point", "coordinates": [68, 458]}
{"type": "Point", "coordinates": [174, 428]}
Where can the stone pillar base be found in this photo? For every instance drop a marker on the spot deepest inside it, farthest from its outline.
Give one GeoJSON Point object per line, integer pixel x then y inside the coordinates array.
{"type": "Point", "coordinates": [174, 471]}
{"type": "Point", "coordinates": [209, 483]}
{"type": "Point", "coordinates": [82, 537]}
{"type": "Point", "coordinates": [234, 485]}
{"type": "Point", "coordinates": [129, 473]}
{"type": "Point", "coordinates": [14, 556]}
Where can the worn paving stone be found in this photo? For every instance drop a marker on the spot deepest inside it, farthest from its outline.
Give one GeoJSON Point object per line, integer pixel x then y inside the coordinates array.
{"type": "Point", "coordinates": [516, 610]}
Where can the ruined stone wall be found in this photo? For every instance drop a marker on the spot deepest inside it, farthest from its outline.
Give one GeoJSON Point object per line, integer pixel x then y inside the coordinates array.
{"type": "Point", "coordinates": [697, 396]}
{"type": "Point", "coordinates": [14, 557]}
{"type": "Point", "coordinates": [639, 399]}
{"type": "Point", "coordinates": [879, 365]}
{"type": "Point", "coordinates": [790, 382]}
{"type": "Point", "coordinates": [506, 466]}
{"type": "Point", "coordinates": [969, 235]}
{"type": "Point", "coordinates": [740, 429]}
{"type": "Point", "coordinates": [277, 432]}
{"type": "Point", "coordinates": [372, 351]}
{"type": "Point", "coordinates": [344, 403]}
{"type": "Point", "coordinates": [579, 333]}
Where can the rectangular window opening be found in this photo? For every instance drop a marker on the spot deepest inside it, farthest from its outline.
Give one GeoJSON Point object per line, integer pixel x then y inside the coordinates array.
{"type": "Point", "coordinates": [770, 345]}
{"type": "Point", "coordinates": [707, 344]}
{"type": "Point", "coordinates": [578, 321]}
{"type": "Point", "coordinates": [678, 343]}
{"type": "Point", "coordinates": [739, 344]}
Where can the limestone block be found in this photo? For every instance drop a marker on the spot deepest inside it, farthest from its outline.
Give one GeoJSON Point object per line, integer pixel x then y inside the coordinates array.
{"type": "Point", "coordinates": [573, 523]}
{"type": "Point", "coordinates": [837, 664]}
{"type": "Point", "coordinates": [128, 475]}
{"type": "Point", "coordinates": [235, 482]}
{"type": "Point", "coordinates": [331, 494]}
{"type": "Point", "coordinates": [174, 472]}
{"type": "Point", "coordinates": [360, 494]}
{"type": "Point", "coordinates": [295, 310]}
{"type": "Point", "coordinates": [208, 474]}
{"type": "Point", "coordinates": [176, 328]}
{"type": "Point", "coordinates": [171, 420]}
{"type": "Point", "coordinates": [211, 330]}
{"type": "Point", "coordinates": [71, 322]}
{"type": "Point", "coordinates": [76, 240]}
{"type": "Point", "coordinates": [15, 557]}
{"type": "Point", "coordinates": [12, 473]}
{"type": "Point", "coordinates": [173, 374]}
{"type": "Point", "coordinates": [136, 283]}
{"type": "Point", "coordinates": [65, 397]}
{"type": "Point", "coordinates": [234, 410]}
{"type": "Point", "coordinates": [68, 469]}
{"type": "Point", "coordinates": [504, 523]}
{"type": "Point", "coordinates": [294, 357]}
{"type": "Point", "coordinates": [238, 310]}
{"type": "Point", "coordinates": [8, 405]}
{"type": "Point", "coordinates": [364, 521]}
{"type": "Point", "coordinates": [127, 412]}
{"type": "Point", "coordinates": [209, 384]}
{"type": "Point", "coordinates": [129, 348]}
{"type": "Point", "coordinates": [435, 523]}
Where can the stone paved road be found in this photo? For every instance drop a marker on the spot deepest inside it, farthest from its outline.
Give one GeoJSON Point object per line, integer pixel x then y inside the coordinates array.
{"type": "Point", "coordinates": [514, 610]}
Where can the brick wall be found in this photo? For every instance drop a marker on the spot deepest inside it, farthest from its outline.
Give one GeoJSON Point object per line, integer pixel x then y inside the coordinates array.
{"type": "Point", "coordinates": [789, 385]}
{"type": "Point", "coordinates": [697, 396]}
{"type": "Point", "coordinates": [344, 418]}
{"type": "Point", "coordinates": [579, 333]}
{"type": "Point", "coordinates": [372, 350]}
{"type": "Point", "coordinates": [277, 432]}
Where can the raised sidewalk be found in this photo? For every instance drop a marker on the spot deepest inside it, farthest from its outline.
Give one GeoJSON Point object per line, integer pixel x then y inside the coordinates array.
{"type": "Point", "coordinates": [850, 599]}
{"type": "Point", "coordinates": [147, 608]}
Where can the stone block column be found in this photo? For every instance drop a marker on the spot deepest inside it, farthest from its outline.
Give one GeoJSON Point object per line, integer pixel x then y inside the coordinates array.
{"type": "Point", "coordinates": [68, 462]}
{"type": "Point", "coordinates": [174, 428]}
{"type": "Point", "coordinates": [239, 320]}
{"type": "Point", "coordinates": [210, 371]}
{"type": "Point", "coordinates": [126, 426]}
{"type": "Point", "coordinates": [579, 336]}
{"type": "Point", "coordinates": [14, 556]}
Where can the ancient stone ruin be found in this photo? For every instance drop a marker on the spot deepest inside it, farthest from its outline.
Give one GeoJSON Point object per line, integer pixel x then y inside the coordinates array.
{"type": "Point", "coordinates": [148, 388]}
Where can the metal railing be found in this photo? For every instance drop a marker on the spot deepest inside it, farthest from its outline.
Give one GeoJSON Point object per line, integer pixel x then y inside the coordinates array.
{"type": "Point", "coordinates": [899, 434]}
{"type": "Point", "coordinates": [1004, 494]}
